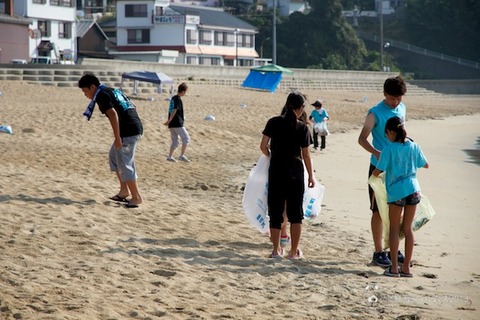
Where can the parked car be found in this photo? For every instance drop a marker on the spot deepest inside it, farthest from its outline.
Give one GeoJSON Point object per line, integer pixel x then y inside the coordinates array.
{"type": "Point", "coordinates": [41, 60]}
{"type": "Point", "coordinates": [18, 61]}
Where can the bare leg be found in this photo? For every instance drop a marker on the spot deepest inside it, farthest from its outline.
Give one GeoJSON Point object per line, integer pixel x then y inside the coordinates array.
{"type": "Point", "coordinates": [171, 151]}
{"type": "Point", "coordinates": [295, 233]}
{"type": "Point", "coordinates": [124, 191]}
{"type": "Point", "coordinates": [409, 215]}
{"type": "Point", "coordinates": [136, 198]}
{"type": "Point", "coordinates": [284, 233]}
{"type": "Point", "coordinates": [275, 237]}
{"type": "Point", "coordinates": [184, 147]}
{"type": "Point", "coordinates": [395, 215]}
{"type": "Point", "coordinates": [377, 231]}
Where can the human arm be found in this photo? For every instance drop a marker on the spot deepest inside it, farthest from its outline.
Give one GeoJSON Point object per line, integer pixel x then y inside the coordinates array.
{"type": "Point", "coordinates": [308, 165]}
{"type": "Point", "coordinates": [264, 145]}
{"type": "Point", "coordinates": [113, 118]}
{"type": "Point", "coordinates": [376, 172]}
{"type": "Point", "coordinates": [426, 166]}
{"type": "Point", "coordinates": [363, 137]}
{"type": "Point", "coordinates": [172, 115]}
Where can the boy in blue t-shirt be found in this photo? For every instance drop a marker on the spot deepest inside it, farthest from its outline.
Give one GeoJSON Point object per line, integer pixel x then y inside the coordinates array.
{"type": "Point", "coordinates": [319, 117]}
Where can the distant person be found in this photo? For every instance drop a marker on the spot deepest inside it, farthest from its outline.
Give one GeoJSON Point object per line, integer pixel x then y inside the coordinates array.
{"type": "Point", "coordinates": [393, 90]}
{"type": "Point", "coordinates": [286, 141]}
{"type": "Point", "coordinates": [400, 161]}
{"type": "Point", "coordinates": [175, 124]}
{"type": "Point", "coordinates": [127, 131]}
{"type": "Point", "coordinates": [319, 117]}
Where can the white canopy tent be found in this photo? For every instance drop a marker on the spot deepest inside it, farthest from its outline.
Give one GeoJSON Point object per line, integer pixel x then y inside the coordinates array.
{"type": "Point", "coordinates": [147, 76]}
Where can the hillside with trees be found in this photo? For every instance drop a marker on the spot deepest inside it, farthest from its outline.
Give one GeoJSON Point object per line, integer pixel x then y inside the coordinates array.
{"type": "Point", "coordinates": [322, 38]}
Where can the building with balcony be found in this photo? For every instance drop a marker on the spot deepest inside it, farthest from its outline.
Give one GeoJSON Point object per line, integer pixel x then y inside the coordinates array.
{"type": "Point", "coordinates": [158, 31]}
{"type": "Point", "coordinates": [52, 30]}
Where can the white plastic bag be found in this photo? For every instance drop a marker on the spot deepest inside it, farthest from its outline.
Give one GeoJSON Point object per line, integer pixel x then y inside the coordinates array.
{"type": "Point", "coordinates": [321, 128]}
{"type": "Point", "coordinates": [255, 195]}
{"type": "Point", "coordinates": [423, 214]}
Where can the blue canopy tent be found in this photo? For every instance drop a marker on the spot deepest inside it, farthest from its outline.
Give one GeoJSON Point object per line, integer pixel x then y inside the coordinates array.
{"type": "Point", "coordinates": [265, 77]}
{"type": "Point", "coordinates": [153, 77]}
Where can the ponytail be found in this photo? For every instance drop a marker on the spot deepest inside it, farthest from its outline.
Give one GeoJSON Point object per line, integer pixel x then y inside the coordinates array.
{"type": "Point", "coordinates": [395, 124]}
{"type": "Point", "coordinates": [295, 101]}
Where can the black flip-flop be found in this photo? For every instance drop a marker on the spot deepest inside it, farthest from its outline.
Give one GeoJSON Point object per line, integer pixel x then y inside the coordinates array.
{"type": "Point", "coordinates": [128, 205]}
{"type": "Point", "coordinates": [118, 198]}
{"type": "Point", "coordinates": [388, 272]}
{"type": "Point", "coordinates": [405, 275]}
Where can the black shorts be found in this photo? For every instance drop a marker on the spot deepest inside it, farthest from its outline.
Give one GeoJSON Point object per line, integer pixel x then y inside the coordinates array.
{"type": "Point", "coordinates": [371, 194]}
{"type": "Point", "coordinates": [410, 200]}
{"type": "Point", "coordinates": [287, 192]}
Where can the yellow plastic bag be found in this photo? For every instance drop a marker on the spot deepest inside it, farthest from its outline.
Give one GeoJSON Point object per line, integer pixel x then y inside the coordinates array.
{"type": "Point", "coordinates": [423, 214]}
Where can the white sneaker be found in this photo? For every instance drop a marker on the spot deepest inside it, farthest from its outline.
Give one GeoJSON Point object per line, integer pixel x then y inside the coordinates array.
{"type": "Point", "coordinates": [183, 158]}
{"type": "Point", "coordinates": [172, 159]}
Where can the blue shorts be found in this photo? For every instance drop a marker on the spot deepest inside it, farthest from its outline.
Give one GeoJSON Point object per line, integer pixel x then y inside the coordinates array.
{"type": "Point", "coordinates": [410, 200]}
{"type": "Point", "coordinates": [123, 159]}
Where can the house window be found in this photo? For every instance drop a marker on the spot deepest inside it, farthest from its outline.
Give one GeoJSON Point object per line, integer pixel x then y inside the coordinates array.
{"type": "Point", "coordinates": [205, 37]}
{"type": "Point", "coordinates": [208, 61]}
{"type": "Point", "coordinates": [159, 11]}
{"type": "Point", "coordinates": [191, 37]}
{"type": "Point", "coordinates": [39, 1]}
{"type": "Point", "coordinates": [248, 41]}
{"type": "Point", "coordinates": [191, 60]}
{"type": "Point", "coordinates": [136, 10]}
{"type": "Point", "coordinates": [219, 36]}
{"type": "Point", "coordinates": [138, 36]}
{"type": "Point", "coordinates": [65, 30]}
{"type": "Point", "coordinates": [230, 40]}
{"type": "Point", "coordinates": [63, 3]}
{"type": "Point", "coordinates": [44, 27]}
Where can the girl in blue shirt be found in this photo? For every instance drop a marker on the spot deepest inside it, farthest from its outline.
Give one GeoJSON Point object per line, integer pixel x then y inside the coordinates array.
{"type": "Point", "coordinates": [400, 161]}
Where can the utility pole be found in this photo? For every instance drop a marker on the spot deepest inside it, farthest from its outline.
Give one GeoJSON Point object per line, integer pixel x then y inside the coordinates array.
{"type": "Point", "coordinates": [274, 36]}
{"type": "Point", "coordinates": [381, 34]}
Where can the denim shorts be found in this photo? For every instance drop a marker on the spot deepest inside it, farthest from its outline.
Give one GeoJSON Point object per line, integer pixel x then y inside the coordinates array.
{"type": "Point", "coordinates": [410, 200]}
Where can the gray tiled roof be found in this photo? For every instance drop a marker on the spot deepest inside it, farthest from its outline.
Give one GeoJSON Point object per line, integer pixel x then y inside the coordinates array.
{"type": "Point", "coordinates": [214, 17]}
{"type": "Point", "coordinates": [14, 19]}
{"type": "Point", "coordinates": [83, 26]}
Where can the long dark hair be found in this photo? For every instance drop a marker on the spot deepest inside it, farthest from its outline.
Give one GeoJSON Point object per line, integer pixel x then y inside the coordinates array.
{"type": "Point", "coordinates": [395, 124]}
{"type": "Point", "coordinates": [295, 101]}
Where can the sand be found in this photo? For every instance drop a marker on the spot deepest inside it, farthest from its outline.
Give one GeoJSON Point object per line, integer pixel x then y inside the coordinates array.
{"type": "Point", "coordinates": [67, 252]}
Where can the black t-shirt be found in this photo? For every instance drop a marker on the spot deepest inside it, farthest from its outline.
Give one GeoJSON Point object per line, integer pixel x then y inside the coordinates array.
{"type": "Point", "coordinates": [129, 121]}
{"type": "Point", "coordinates": [286, 145]}
{"type": "Point", "coordinates": [177, 121]}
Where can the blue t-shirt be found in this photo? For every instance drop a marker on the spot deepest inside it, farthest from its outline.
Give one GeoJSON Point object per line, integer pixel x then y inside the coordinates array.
{"type": "Point", "coordinates": [382, 113]}
{"type": "Point", "coordinates": [400, 162]}
{"type": "Point", "coordinates": [318, 115]}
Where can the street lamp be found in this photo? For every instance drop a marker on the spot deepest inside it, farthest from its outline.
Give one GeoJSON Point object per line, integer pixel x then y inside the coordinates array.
{"type": "Point", "coordinates": [386, 68]}
{"type": "Point", "coordinates": [261, 47]}
{"type": "Point", "coordinates": [236, 31]}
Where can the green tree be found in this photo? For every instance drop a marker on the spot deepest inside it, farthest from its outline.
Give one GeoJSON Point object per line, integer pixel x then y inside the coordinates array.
{"type": "Point", "coordinates": [320, 39]}
{"type": "Point", "coordinates": [448, 26]}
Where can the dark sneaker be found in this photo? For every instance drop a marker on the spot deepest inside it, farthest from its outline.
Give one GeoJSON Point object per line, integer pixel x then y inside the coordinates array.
{"type": "Point", "coordinates": [381, 259]}
{"type": "Point", "coordinates": [400, 257]}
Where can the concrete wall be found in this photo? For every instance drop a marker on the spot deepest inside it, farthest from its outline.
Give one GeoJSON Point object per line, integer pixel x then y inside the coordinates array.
{"type": "Point", "coordinates": [199, 71]}
{"type": "Point", "coordinates": [450, 86]}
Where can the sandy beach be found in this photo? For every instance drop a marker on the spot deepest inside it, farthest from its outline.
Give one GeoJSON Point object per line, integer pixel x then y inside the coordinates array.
{"type": "Point", "coordinates": [188, 252]}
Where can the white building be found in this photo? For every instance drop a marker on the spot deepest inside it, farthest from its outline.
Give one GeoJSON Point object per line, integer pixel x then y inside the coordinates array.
{"type": "Point", "coordinates": [155, 30]}
{"type": "Point", "coordinates": [287, 7]}
{"type": "Point", "coordinates": [52, 32]}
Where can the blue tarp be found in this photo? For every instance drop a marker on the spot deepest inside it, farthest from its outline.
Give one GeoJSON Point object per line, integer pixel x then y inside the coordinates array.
{"type": "Point", "coordinates": [262, 80]}
{"type": "Point", "coordinates": [265, 77]}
